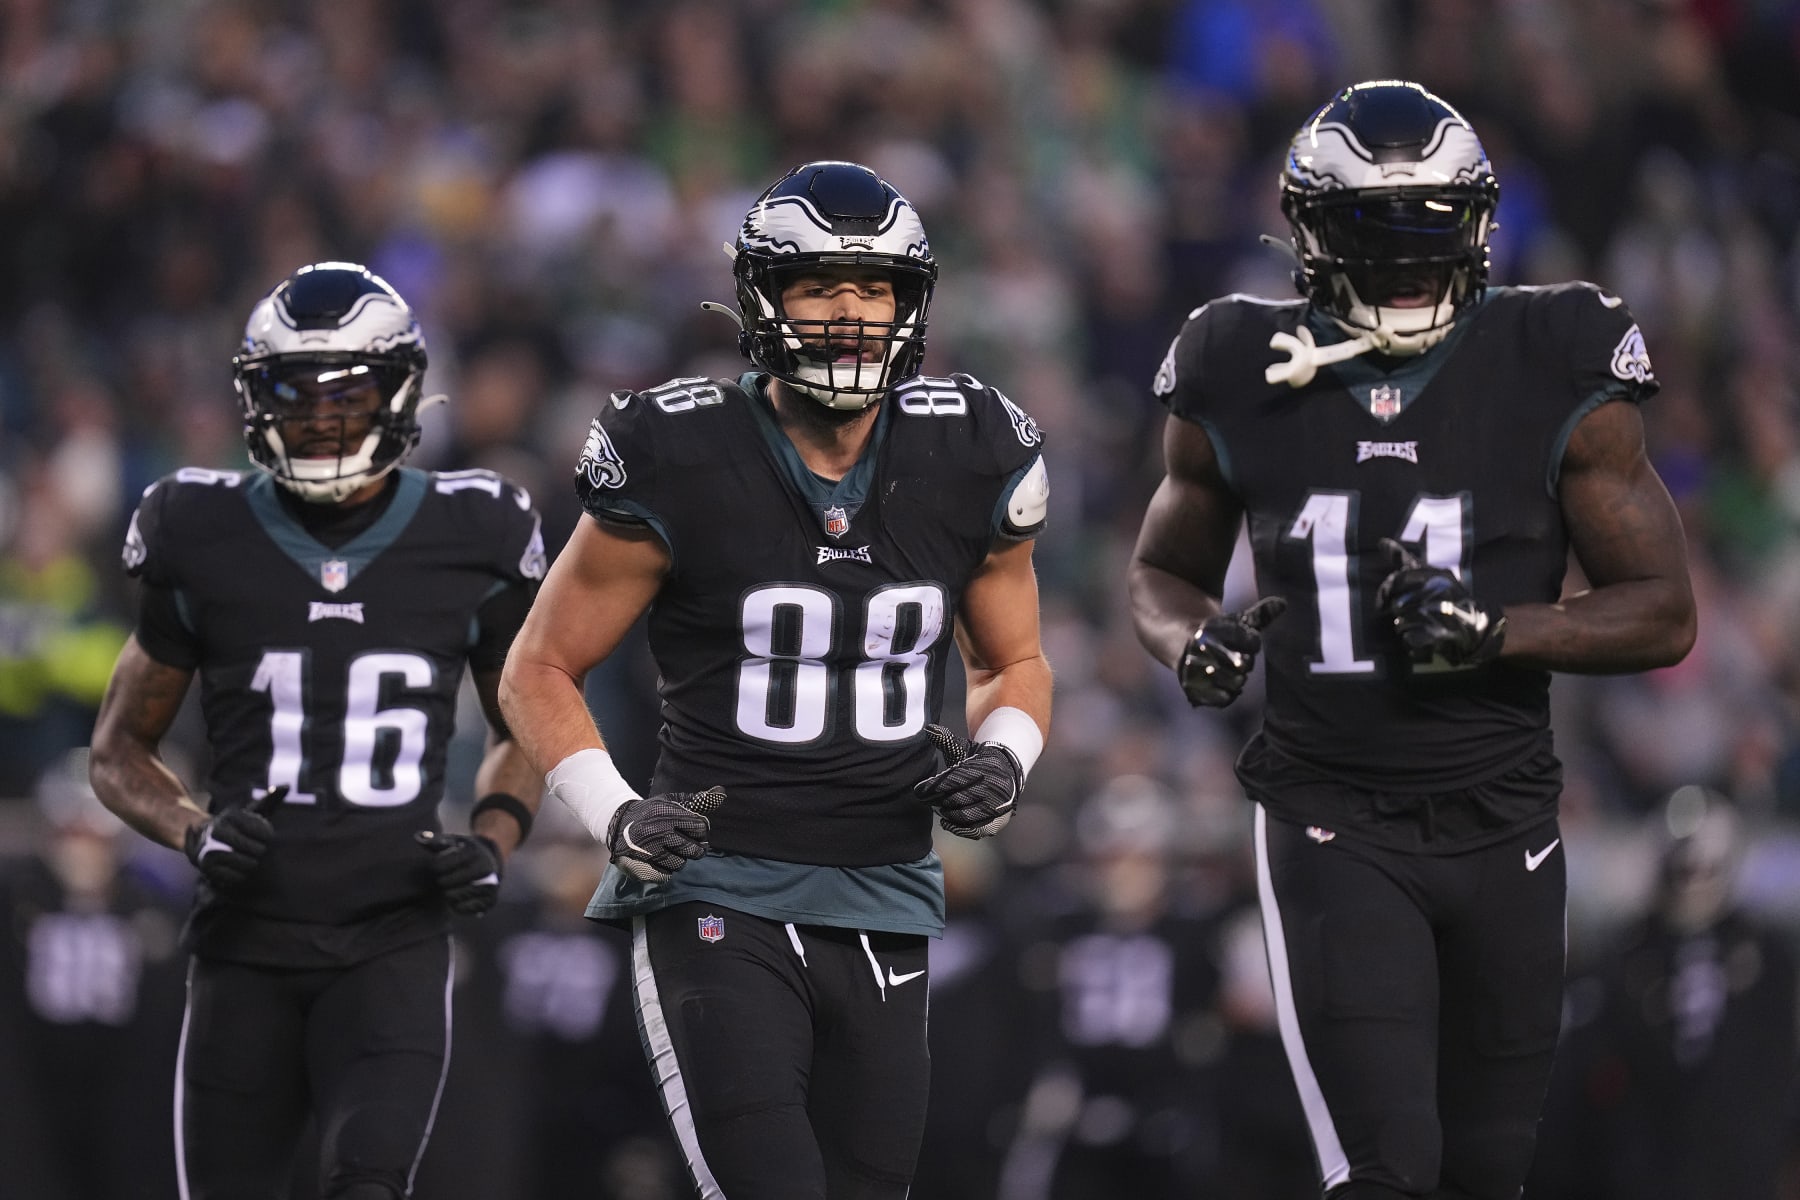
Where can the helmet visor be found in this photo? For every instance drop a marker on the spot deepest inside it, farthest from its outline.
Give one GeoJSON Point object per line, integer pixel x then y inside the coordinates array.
{"type": "Point", "coordinates": [1400, 248]}
{"type": "Point", "coordinates": [322, 408]}
{"type": "Point", "coordinates": [1398, 229]}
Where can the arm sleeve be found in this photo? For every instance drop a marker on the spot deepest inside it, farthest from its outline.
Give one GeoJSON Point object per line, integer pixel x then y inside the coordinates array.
{"type": "Point", "coordinates": [497, 623]}
{"type": "Point", "coordinates": [1025, 504]}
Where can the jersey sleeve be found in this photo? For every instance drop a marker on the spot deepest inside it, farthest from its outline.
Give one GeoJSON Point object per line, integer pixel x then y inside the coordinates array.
{"type": "Point", "coordinates": [616, 477]}
{"type": "Point", "coordinates": [164, 630]}
{"type": "Point", "coordinates": [1605, 347]}
{"type": "Point", "coordinates": [523, 560]}
{"type": "Point", "coordinates": [499, 518]}
{"type": "Point", "coordinates": [1178, 382]}
{"type": "Point", "coordinates": [1014, 445]}
{"type": "Point", "coordinates": [146, 554]}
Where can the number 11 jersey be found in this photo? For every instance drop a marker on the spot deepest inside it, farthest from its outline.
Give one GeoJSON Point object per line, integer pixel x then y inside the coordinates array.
{"type": "Point", "coordinates": [1457, 453]}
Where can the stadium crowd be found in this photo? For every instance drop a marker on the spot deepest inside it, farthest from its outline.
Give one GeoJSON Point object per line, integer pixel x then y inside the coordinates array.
{"type": "Point", "coordinates": [549, 184]}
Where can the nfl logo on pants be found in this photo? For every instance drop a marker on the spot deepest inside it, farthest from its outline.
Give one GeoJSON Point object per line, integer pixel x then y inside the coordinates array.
{"type": "Point", "coordinates": [712, 928]}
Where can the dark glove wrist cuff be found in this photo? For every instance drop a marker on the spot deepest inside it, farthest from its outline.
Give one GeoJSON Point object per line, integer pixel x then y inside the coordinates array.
{"type": "Point", "coordinates": [1489, 649]}
{"type": "Point", "coordinates": [512, 806]}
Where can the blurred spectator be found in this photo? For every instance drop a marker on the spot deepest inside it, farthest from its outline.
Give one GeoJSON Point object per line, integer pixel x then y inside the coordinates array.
{"type": "Point", "coordinates": [90, 1005]}
{"type": "Point", "coordinates": [551, 183]}
{"type": "Point", "coordinates": [1677, 1078]}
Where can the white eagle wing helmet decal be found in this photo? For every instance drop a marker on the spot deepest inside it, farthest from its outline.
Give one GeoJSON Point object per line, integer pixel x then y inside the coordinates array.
{"type": "Point", "coordinates": [833, 214]}
{"type": "Point", "coordinates": [330, 322]}
{"type": "Point", "coordinates": [1391, 199]}
{"type": "Point", "coordinates": [794, 225]}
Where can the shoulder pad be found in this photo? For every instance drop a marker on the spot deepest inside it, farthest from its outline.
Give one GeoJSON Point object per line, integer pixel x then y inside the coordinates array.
{"type": "Point", "coordinates": [178, 499]}
{"type": "Point", "coordinates": [500, 511]}
{"type": "Point", "coordinates": [1600, 338]}
{"type": "Point", "coordinates": [1221, 351]}
{"type": "Point", "coordinates": [996, 420]}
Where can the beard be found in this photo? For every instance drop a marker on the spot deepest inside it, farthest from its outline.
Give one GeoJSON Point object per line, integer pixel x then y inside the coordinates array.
{"type": "Point", "coordinates": [810, 414]}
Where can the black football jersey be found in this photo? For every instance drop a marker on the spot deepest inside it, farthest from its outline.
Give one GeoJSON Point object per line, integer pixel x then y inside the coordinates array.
{"type": "Point", "coordinates": [1455, 452]}
{"type": "Point", "coordinates": [333, 672]}
{"type": "Point", "coordinates": [802, 633]}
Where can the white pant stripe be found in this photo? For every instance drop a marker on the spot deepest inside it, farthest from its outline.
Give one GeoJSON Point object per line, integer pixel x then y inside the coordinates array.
{"type": "Point", "coordinates": [664, 1065]}
{"type": "Point", "coordinates": [444, 1071]}
{"type": "Point", "coordinates": [187, 1013]}
{"type": "Point", "coordinates": [1332, 1161]}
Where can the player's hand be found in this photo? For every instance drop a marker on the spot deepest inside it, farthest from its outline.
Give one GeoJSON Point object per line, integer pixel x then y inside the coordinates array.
{"type": "Point", "coordinates": [467, 868]}
{"type": "Point", "coordinates": [976, 793]}
{"type": "Point", "coordinates": [1434, 613]}
{"type": "Point", "coordinates": [652, 837]}
{"type": "Point", "coordinates": [1218, 659]}
{"type": "Point", "coordinates": [227, 847]}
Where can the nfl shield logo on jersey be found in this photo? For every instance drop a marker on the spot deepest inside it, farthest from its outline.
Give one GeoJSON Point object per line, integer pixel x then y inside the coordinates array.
{"type": "Point", "coordinates": [334, 574]}
{"type": "Point", "coordinates": [837, 522]}
{"type": "Point", "coordinates": [712, 928]}
{"type": "Point", "coordinates": [1384, 402]}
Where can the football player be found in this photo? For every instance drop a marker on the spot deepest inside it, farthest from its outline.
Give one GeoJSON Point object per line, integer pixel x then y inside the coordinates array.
{"type": "Point", "coordinates": [1416, 454]}
{"type": "Point", "coordinates": [330, 601]}
{"type": "Point", "coordinates": [809, 539]}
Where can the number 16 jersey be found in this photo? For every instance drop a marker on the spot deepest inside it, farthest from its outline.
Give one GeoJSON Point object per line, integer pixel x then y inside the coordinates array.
{"type": "Point", "coordinates": [333, 671]}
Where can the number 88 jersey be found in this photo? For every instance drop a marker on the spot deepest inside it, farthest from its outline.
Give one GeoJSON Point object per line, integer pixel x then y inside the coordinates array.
{"type": "Point", "coordinates": [334, 672]}
{"type": "Point", "coordinates": [803, 631]}
{"type": "Point", "coordinates": [1457, 453]}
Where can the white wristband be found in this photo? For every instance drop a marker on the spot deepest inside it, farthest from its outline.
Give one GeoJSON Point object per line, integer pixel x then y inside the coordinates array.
{"type": "Point", "coordinates": [1014, 729]}
{"type": "Point", "coordinates": [592, 787]}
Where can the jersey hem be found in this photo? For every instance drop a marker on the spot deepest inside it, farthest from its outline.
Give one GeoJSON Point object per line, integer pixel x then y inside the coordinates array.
{"type": "Point", "coordinates": [607, 913]}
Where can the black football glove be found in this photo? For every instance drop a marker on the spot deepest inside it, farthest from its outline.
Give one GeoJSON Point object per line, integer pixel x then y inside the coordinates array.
{"type": "Point", "coordinates": [652, 837]}
{"type": "Point", "coordinates": [467, 868]}
{"type": "Point", "coordinates": [974, 795]}
{"type": "Point", "coordinates": [227, 847]}
{"type": "Point", "coordinates": [1435, 614]}
{"type": "Point", "coordinates": [1218, 659]}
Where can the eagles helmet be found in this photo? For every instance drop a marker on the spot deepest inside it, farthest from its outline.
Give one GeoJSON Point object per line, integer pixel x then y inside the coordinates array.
{"type": "Point", "coordinates": [832, 214]}
{"type": "Point", "coordinates": [330, 336]}
{"type": "Point", "coordinates": [1391, 201]}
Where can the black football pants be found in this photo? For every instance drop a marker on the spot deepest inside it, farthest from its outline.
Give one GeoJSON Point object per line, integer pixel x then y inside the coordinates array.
{"type": "Point", "coordinates": [363, 1049]}
{"type": "Point", "coordinates": [1419, 999]}
{"type": "Point", "coordinates": [791, 1058]}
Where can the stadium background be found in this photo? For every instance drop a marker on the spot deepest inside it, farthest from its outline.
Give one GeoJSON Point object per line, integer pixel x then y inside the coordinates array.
{"type": "Point", "coordinates": [549, 185]}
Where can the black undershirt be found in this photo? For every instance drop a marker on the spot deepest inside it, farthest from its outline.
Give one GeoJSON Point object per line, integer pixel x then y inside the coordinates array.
{"type": "Point", "coordinates": [334, 525]}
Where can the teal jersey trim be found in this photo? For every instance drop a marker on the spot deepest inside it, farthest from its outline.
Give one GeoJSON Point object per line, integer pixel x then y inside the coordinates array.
{"type": "Point", "coordinates": [633, 513]}
{"type": "Point", "coordinates": [1360, 376]}
{"type": "Point", "coordinates": [1553, 469]}
{"type": "Point", "coordinates": [310, 554]}
{"type": "Point", "coordinates": [898, 898]}
{"type": "Point", "coordinates": [848, 493]}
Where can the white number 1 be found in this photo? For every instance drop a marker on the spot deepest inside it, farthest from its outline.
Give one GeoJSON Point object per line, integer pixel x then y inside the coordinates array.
{"type": "Point", "coordinates": [1328, 521]}
{"type": "Point", "coordinates": [283, 674]}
